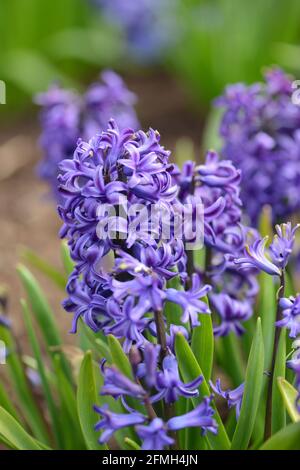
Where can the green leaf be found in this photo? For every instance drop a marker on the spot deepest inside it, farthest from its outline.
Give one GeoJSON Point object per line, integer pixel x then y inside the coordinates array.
{"type": "Point", "coordinates": [26, 400]}
{"type": "Point", "coordinates": [278, 409]}
{"type": "Point", "coordinates": [252, 392]}
{"type": "Point", "coordinates": [289, 395]}
{"type": "Point", "coordinates": [203, 345]}
{"type": "Point", "coordinates": [15, 434]}
{"type": "Point", "coordinates": [66, 258]}
{"type": "Point", "coordinates": [96, 341]}
{"type": "Point", "coordinates": [287, 438]}
{"type": "Point", "coordinates": [265, 222]}
{"type": "Point", "coordinates": [40, 307]}
{"type": "Point", "coordinates": [87, 397]}
{"type": "Point", "coordinates": [132, 445]}
{"type": "Point", "coordinates": [172, 311]}
{"type": "Point", "coordinates": [68, 409]}
{"type": "Point", "coordinates": [43, 313]}
{"type": "Point", "coordinates": [230, 357]}
{"type": "Point", "coordinates": [267, 309]}
{"type": "Point", "coordinates": [42, 373]}
{"type": "Point", "coordinates": [51, 272]}
{"type": "Point", "coordinates": [119, 358]}
{"type": "Point", "coordinates": [6, 403]}
{"type": "Point", "coordinates": [190, 369]}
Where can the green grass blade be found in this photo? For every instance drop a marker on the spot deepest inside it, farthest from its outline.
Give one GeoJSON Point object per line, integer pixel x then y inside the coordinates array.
{"type": "Point", "coordinates": [45, 268]}
{"type": "Point", "coordinates": [278, 408]}
{"type": "Point", "coordinates": [7, 404]}
{"type": "Point", "coordinates": [74, 440]}
{"type": "Point", "coordinates": [252, 392]}
{"type": "Point", "coordinates": [203, 345]}
{"type": "Point", "coordinates": [15, 434]}
{"type": "Point", "coordinates": [119, 358]}
{"type": "Point", "coordinates": [289, 395]}
{"type": "Point", "coordinates": [190, 369]}
{"type": "Point", "coordinates": [42, 312]}
{"type": "Point", "coordinates": [267, 311]}
{"type": "Point", "coordinates": [66, 258]}
{"type": "Point", "coordinates": [87, 397]}
{"type": "Point", "coordinates": [287, 438]}
{"type": "Point", "coordinates": [26, 399]}
{"type": "Point", "coordinates": [42, 373]}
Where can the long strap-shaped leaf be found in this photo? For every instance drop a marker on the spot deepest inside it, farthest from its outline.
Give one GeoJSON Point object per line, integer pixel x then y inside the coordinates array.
{"type": "Point", "coordinates": [252, 392]}
{"type": "Point", "coordinates": [42, 313]}
{"type": "Point", "coordinates": [27, 403]}
{"type": "Point", "coordinates": [15, 434]}
{"type": "Point", "coordinates": [190, 369]}
{"type": "Point", "coordinates": [289, 395]}
{"type": "Point", "coordinates": [87, 397]}
{"type": "Point", "coordinates": [278, 408]}
{"type": "Point", "coordinates": [42, 373]}
{"type": "Point", "coordinates": [287, 438]}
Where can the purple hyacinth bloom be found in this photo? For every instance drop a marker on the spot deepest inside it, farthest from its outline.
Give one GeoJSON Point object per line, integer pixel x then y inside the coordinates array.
{"type": "Point", "coordinates": [5, 321]}
{"type": "Point", "coordinates": [67, 116]}
{"type": "Point", "coordinates": [148, 368]}
{"type": "Point", "coordinates": [291, 315]}
{"type": "Point", "coordinates": [117, 384]}
{"type": "Point", "coordinates": [190, 301]}
{"type": "Point", "coordinates": [283, 243]}
{"type": "Point", "coordinates": [128, 322]}
{"type": "Point", "coordinates": [232, 313]}
{"type": "Point", "coordinates": [256, 258]}
{"type": "Point", "coordinates": [154, 435]}
{"type": "Point", "coordinates": [260, 132]}
{"type": "Point", "coordinates": [149, 27]}
{"type": "Point", "coordinates": [169, 385]}
{"type": "Point", "coordinates": [234, 397]}
{"type": "Point", "coordinates": [294, 364]}
{"type": "Point", "coordinates": [280, 250]}
{"type": "Point", "coordinates": [111, 422]}
{"type": "Point", "coordinates": [201, 416]}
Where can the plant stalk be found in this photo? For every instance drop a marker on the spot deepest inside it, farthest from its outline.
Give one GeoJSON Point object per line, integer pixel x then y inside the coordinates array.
{"type": "Point", "coordinates": [268, 423]}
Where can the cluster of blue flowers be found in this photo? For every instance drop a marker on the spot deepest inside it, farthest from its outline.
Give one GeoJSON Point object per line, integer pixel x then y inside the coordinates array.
{"type": "Point", "coordinates": [66, 116]}
{"type": "Point", "coordinates": [128, 272]}
{"type": "Point", "coordinates": [260, 132]}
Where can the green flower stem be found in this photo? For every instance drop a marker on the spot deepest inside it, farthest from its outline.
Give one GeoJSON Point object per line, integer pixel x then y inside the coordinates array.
{"type": "Point", "coordinates": [268, 422]}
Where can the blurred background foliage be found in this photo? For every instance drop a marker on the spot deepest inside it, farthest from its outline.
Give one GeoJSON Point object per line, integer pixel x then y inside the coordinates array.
{"type": "Point", "coordinates": [219, 42]}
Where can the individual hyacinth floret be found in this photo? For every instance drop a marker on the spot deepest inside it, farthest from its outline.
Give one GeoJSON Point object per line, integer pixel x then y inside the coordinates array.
{"type": "Point", "coordinates": [272, 260]}
{"type": "Point", "coordinates": [291, 315]}
{"type": "Point", "coordinates": [260, 132]}
{"type": "Point", "coordinates": [66, 116]}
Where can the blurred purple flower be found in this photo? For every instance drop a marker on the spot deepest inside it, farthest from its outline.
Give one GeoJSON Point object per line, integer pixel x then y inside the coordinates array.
{"type": "Point", "coordinates": [154, 435]}
{"type": "Point", "coordinates": [232, 313]}
{"type": "Point", "coordinates": [234, 397]}
{"type": "Point", "coordinates": [169, 385]}
{"type": "Point", "coordinates": [112, 422]}
{"type": "Point", "coordinates": [148, 26]}
{"type": "Point", "coordinates": [260, 131]}
{"type": "Point", "coordinates": [201, 416]}
{"type": "Point", "coordinates": [67, 116]}
{"type": "Point", "coordinates": [189, 300]}
{"type": "Point", "coordinates": [291, 315]}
